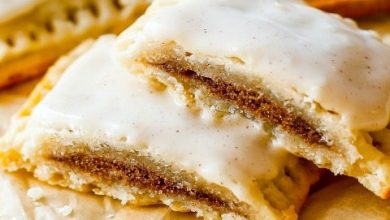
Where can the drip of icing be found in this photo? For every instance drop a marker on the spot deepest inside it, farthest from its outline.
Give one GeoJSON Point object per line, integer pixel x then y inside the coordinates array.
{"type": "Point", "coordinates": [287, 43]}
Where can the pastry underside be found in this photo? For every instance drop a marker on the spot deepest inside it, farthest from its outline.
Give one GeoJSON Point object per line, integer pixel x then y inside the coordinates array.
{"type": "Point", "coordinates": [134, 176]}
{"type": "Point", "coordinates": [32, 41]}
{"type": "Point", "coordinates": [231, 85]}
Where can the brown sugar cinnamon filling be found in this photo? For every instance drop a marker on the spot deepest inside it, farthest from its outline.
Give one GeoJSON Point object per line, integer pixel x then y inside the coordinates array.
{"type": "Point", "coordinates": [258, 104]}
{"type": "Point", "coordinates": [126, 168]}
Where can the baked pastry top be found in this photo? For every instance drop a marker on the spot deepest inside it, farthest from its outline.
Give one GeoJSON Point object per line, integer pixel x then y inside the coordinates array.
{"type": "Point", "coordinates": [34, 33]}
{"type": "Point", "coordinates": [91, 125]}
{"type": "Point", "coordinates": [321, 83]}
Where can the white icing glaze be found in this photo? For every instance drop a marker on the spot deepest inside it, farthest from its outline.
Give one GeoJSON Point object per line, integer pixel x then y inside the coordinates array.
{"type": "Point", "coordinates": [286, 42]}
{"type": "Point", "coordinates": [96, 97]}
{"type": "Point", "coordinates": [10, 9]}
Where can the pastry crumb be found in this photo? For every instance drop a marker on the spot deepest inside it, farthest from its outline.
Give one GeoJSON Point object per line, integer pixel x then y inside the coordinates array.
{"type": "Point", "coordinates": [35, 193]}
{"type": "Point", "coordinates": [64, 210]}
{"type": "Point", "coordinates": [110, 216]}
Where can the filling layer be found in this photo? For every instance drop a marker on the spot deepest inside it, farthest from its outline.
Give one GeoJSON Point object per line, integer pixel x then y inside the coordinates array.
{"type": "Point", "coordinates": [258, 104]}
{"type": "Point", "coordinates": [131, 169]}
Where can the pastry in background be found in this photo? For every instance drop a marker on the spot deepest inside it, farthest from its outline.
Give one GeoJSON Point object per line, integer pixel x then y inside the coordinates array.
{"type": "Point", "coordinates": [352, 8]}
{"type": "Point", "coordinates": [345, 199]}
{"type": "Point", "coordinates": [320, 84]}
{"type": "Point", "coordinates": [380, 24]}
{"type": "Point", "coordinates": [34, 33]}
{"type": "Point", "coordinates": [11, 9]}
{"type": "Point", "coordinates": [92, 126]}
